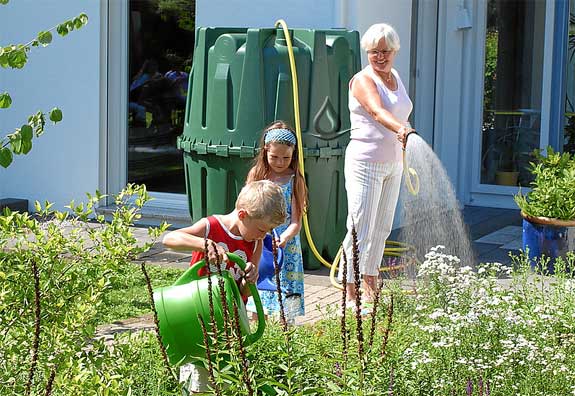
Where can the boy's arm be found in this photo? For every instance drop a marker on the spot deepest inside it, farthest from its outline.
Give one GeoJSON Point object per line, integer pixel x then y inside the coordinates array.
{"type": "Point", "coordinates": [251, 272]}
{"type": "Point", "coordinates": [186, 239]}
{"type": "Point", "coordinates": [192, 239]}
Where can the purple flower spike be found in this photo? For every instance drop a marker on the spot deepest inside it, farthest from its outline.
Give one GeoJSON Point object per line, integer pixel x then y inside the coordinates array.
{"type": "Point", "coordinates": [469, 389]}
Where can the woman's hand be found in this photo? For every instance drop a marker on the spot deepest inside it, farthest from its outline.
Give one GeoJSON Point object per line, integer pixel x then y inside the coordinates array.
{"type": "Point", "coordinates": [402, 133]}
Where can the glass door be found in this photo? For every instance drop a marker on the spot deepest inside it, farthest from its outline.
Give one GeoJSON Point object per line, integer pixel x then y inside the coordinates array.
{"type": "Point", "coordinates": [160, 48]}
{"type": "Point", "coordinates": [513, 71]}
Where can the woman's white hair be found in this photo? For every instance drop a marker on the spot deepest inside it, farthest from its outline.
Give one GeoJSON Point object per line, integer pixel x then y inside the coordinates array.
{"type": "Point", "coordinates": [375, 33]}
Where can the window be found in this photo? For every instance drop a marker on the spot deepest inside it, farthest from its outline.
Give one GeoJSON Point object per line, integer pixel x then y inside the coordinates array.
{"type": "Point", "coordinates": [512, 90]}
{"type": "Point", "coordinates": [161, 44]}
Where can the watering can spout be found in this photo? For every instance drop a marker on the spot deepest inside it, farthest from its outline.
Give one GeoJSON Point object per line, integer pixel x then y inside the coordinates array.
{"type": "Point", "coordinates": [181, 306]}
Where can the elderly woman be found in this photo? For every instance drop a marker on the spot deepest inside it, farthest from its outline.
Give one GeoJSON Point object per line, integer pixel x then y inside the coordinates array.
{"type": "Point", "coordinates": [379, 108]}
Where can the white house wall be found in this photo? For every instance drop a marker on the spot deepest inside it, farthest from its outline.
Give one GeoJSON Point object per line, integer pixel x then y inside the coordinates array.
{"type": "Point", "coordinates": [64, 162]}
{"type": "Point", "coordinates": [448, 127]}
{"type": "Point", "coordinates": [319, 14]}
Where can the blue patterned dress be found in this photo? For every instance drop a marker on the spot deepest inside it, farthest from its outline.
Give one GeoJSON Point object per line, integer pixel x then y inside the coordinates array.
{"type": "Point", "coordinates": [291, 273]}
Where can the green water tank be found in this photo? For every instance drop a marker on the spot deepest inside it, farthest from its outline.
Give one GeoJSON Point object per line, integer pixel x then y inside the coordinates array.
{"type": "Point", "coordinates": [240, 82]}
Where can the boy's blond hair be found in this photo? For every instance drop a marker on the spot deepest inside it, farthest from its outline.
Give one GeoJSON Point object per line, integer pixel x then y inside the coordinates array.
{"type": "Point", "coordinates": [263, 200]}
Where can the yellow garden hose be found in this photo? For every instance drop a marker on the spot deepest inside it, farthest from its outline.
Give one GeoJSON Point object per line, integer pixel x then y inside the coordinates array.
{"type": "Point", "coordinates": [394, 251]}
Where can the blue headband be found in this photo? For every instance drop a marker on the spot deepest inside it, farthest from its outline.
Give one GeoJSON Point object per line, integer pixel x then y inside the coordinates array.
{"type": "Point", "coordinates": [280, 135]}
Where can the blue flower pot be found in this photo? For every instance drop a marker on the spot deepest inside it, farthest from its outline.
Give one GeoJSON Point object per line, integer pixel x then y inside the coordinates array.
{"type": "Point", "coordinates": [549, 238]}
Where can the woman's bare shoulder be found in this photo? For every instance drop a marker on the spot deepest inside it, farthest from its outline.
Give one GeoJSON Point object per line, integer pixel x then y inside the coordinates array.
{"type": "Point", "coordinates": [362, 82]}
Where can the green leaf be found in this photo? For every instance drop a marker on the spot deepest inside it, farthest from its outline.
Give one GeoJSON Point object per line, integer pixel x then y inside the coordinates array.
{"type": "Point", "coordinates": [3, 58]}
{"type": "Point", "coordinates": [5, 157]}
{"type": "Point", "coordinates": [62, 29]}
{"type": "Point", "coordinates": [27, 132]}
{"type": "Point", "coordinates": [17, 58]}
{"type": "Point", "coordinates": [16, 143]}
{"type": "Point", "coordinates": [78, 23]}
{"type": "Point", "coordinates": [56, 115]}
{"type": "Point", "coordinates": [84, 18]}
{"type": "Point", "coordinates": [45, 38]}
{"type": "Point", "coordinates": [3, 2]}
{"type": "Point", "coordinates": [26, 146]}
{"type": "Point", "coordinates": [5, 100]}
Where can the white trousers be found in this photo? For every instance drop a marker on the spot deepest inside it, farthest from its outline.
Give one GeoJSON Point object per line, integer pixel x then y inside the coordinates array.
{"type": "Point", "coordinates": [372, 194]}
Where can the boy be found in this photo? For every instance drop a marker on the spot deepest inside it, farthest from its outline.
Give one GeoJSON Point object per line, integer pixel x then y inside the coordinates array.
{"type": "Point", "coordinates": [260, 207]}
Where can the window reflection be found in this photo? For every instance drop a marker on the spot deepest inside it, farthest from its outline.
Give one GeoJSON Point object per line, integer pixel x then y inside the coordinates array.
{"type": "Point", "coordinates": [161, 47]}
{"type": "Point", "coordinates": [512, 90]}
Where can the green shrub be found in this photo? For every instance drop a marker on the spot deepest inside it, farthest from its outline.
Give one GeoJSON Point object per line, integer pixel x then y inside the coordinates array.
{"type": "Point", "coordinates": [55, 269]}
{"type": "Point", "coordinates": [553, 188]}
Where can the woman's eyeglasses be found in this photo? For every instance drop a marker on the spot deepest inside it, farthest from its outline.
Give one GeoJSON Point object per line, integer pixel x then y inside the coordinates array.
{"type": "Point", "coordinates": [378, 53]}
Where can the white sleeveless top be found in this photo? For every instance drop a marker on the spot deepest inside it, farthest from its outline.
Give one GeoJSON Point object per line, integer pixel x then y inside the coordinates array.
{"type": "Point", "coordinates": [371, 141]}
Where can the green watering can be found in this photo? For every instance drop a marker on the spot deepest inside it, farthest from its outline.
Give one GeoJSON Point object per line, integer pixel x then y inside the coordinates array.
{"type": "Point", "coordinates": [178, 307]}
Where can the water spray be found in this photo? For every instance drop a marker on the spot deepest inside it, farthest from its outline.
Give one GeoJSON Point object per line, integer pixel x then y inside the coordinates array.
{"type": "Point", "coordinates": [412, 184]}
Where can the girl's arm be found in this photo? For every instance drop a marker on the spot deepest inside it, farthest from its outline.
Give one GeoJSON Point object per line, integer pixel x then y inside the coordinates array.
{"type": "Point", "coordinates": [365, 91]}
{"type": "Point", "coordinates": [292, 230]}
{"type": "Point", "coordinates": [192, 239]}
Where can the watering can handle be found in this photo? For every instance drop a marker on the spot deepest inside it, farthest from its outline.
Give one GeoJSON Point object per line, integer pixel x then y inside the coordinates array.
{"type": "Point", "coordinates": [192, 274]}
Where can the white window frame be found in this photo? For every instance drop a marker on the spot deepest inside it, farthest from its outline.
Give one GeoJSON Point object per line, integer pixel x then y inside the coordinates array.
{"type": "Point", "coordinates": [115, 104]}
{"type": "Point", "coordinates": [487, 194]}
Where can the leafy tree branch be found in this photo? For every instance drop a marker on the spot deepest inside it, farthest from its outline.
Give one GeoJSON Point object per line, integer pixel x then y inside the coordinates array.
{"type": "Point", "coordinates": [15, 56]}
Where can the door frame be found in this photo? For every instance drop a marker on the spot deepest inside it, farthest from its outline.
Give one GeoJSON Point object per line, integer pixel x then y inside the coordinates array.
{"type": "Point", "coordinates": [424, 67]}
{"type": "Point", "coordinates": [115, 117]}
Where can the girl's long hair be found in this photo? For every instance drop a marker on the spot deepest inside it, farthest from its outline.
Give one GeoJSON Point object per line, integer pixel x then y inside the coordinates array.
{"type": "Point", "coordinates": [261, 169]}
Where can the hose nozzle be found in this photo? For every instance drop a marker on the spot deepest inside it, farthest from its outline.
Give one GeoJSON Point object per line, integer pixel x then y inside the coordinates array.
{"type": "Point", "coordinates": [407, 137]}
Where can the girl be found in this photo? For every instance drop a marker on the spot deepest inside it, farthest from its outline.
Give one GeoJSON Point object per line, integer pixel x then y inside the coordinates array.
{"type": "Point", "coordinates": [278, 161]}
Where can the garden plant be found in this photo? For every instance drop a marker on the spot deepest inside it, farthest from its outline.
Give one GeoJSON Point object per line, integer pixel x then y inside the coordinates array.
{"type": "Point", "coordinates": [462, 332]}
{"type": "Point", "coordinates": [552, 192]}
{"type": "Point", "coordinates": [58, 273]}
{"type": "Point", "coordinates": [493, 330]}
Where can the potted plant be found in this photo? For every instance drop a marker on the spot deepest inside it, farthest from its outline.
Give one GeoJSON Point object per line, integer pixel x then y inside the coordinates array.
{"type": "Point", "coordinates": [506, 173]}
{"type": "Point", "coordinates": [548, 210]}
